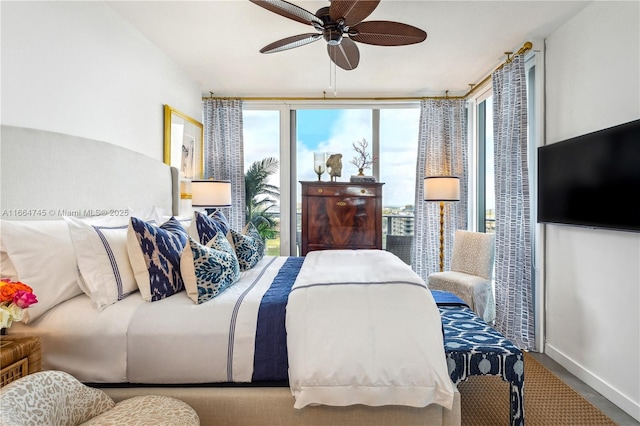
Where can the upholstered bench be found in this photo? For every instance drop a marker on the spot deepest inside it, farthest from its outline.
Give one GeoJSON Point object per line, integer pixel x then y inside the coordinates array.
{"type": "Point", "coordinates": [57, 398]}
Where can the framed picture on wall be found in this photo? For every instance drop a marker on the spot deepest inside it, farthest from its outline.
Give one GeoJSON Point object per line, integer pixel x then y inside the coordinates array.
{"type": "Point", "coordinates": [183, 147]}
{"type": "Point", "coordinates": [183, 143]}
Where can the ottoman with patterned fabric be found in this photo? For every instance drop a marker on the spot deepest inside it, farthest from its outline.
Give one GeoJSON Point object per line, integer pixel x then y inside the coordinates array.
{"type": "Point", "coordinates": [57, 398]}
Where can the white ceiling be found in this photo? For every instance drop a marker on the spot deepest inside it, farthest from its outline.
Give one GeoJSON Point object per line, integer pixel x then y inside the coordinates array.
{"type": "Point", "coordinates": [217, 42]}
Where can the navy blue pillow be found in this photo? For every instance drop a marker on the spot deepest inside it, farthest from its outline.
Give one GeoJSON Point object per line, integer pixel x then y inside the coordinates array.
{"type": "Point", "coordinates": [208, 226]}
{"type": "Point", "coordinates": [154, 252]}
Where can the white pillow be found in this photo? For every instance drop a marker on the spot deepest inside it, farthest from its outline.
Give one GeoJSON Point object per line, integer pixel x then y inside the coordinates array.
{"type": "Point", "coordinates": [103, 260]}
{"type": "Point", "coordinates": [7, 269]}
{"type": "Point", "coordinates": [44, 258]}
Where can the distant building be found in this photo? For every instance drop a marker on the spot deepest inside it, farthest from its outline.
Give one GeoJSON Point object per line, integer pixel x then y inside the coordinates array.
{"type": "Point", "coordinates": [400, 220]}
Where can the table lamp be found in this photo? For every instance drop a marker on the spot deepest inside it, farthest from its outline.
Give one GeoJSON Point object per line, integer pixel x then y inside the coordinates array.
{"type": "Point", "coordinates": [210, 193]}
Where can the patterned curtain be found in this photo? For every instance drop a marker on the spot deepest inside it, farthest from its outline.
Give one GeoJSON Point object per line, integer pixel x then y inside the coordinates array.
{"type": "Point", "coordinates": [223, 152]}
{"type": "Point", "coordinates": [442, 151]}
{"type": "Point", "coordinates": [513, 262]}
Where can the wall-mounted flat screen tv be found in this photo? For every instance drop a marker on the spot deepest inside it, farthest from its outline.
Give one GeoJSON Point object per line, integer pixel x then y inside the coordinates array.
{"type": "Point", "coordinates": [592, 180]}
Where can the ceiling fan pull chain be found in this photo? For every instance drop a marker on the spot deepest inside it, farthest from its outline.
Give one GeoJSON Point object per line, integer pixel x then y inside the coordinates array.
{"type": "Point", "coordinates": [335, 77]}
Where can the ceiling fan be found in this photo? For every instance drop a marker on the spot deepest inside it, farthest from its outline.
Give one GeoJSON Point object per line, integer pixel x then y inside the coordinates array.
{"type": "Point", "coordinates": [341, 26]}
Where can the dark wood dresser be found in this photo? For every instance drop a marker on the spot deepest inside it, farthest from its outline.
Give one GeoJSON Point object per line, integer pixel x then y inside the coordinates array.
{"type": "Point", "coordinates": [341, 215]}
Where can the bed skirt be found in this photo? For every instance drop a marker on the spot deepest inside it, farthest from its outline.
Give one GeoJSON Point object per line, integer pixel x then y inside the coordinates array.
{"type": "Point", "coordinates": [231, 406]}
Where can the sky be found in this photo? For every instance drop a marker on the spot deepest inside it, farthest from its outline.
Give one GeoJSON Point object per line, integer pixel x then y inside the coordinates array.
{"type": "Point", "coordinates": [335, 131]}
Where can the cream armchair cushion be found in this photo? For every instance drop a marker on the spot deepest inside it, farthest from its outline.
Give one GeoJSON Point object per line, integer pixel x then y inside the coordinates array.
{"type": "Point", "coordinates": [470, 277]}
{"type": "Point", "coordinates": [473, 253]}
{"type": "Point", "coordinates": [56, 398]}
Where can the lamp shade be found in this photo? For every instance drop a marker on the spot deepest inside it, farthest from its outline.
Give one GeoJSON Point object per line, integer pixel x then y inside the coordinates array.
{"type": "Point", "coordinates": [442, 188]}
{"type": "Point", "coordinates": [210, 193]}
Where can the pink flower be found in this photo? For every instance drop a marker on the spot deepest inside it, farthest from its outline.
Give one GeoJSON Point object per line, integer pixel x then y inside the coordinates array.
{"type": "Point", "coordinates": [24, 299]}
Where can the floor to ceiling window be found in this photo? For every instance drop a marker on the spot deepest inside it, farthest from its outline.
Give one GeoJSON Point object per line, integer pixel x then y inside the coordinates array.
{"type": "Point", "coordinates": [262, 157]}
{"type": "Point", "coordinates": [486, 201]}
{"type": "Point", "coordinates": [398, 151]}
{"type": "Point", "coordinates": [390, 133]}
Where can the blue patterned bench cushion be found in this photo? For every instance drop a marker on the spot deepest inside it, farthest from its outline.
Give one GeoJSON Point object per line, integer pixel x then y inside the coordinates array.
{"type": "Point", "coordinates": [475, 348]}
{"type": "Point", "coordinates": [446, 298]}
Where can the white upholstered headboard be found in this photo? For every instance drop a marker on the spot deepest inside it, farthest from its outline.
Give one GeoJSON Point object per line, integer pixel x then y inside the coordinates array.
{"type": "Point", "coordinates": [47, 175]}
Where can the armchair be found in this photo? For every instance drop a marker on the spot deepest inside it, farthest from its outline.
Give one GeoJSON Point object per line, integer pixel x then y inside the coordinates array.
{"type": "Point", "coordinates": [470, 277]}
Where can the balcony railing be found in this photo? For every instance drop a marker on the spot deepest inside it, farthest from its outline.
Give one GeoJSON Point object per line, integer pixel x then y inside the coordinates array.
{"type": "Point", "coordinates": [392, 224]}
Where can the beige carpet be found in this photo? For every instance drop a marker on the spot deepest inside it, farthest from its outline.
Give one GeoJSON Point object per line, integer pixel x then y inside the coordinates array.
{"type": "Point", "coordinates": [547, 400]}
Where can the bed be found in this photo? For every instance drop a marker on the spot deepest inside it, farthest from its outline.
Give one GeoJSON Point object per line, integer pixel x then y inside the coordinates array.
{"type": "Point", "coordinates": [131, 347]}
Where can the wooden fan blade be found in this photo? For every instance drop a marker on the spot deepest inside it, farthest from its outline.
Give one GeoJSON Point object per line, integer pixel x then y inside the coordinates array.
{"type": "Point", "coordinates": [345, 55]}
{"type": "Point", "coordinates": [352, 11]}
{"type": "Point", "coordinates": [290, 42]}
{"type": "Point", "coordinates": [386, 33]}
{"type": "Point", "coordinates": [289, 10]}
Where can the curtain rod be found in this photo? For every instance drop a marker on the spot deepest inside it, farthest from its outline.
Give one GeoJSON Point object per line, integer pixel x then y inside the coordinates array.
{"type": "Point", "coordinates": [266, 98]}
{"type": "Point", "coordinates": [525, 47]}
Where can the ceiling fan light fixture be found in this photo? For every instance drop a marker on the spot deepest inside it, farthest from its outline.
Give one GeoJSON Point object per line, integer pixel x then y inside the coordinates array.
{"type": "Point", "coordinates": [333, 36]}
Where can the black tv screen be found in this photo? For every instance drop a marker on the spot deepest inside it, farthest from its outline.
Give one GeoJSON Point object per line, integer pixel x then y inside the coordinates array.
{"type": "Point", "coordinates": [592, 180]}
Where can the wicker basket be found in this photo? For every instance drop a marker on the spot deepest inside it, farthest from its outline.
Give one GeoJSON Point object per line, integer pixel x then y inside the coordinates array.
{"type": "Point", "coordinates": [14, 371]}
{"type": "Point", "coordinates": [19, 356]}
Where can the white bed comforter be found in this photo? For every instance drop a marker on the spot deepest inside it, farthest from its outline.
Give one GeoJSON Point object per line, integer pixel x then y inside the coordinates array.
{"type": "Point", "coordinates": [169, 341]}
{"type": "Point", "coordinates": [362, 328]}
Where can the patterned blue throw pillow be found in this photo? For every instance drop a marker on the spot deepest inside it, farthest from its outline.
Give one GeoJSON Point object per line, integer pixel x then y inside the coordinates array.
{"type": "Point", "coordinates": [209, 270]}
{"type": "Point", "coordinates": [251, 231]}
{"type": "Point", "coordinates": [154, 253]}
{"type": "Point", "coordinates": [207, 226]}
{"type": "Point", "coordinates": [249, 246]}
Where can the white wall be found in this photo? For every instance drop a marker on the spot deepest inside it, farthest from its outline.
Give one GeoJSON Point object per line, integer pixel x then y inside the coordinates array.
{"type": "Point", "coordinates": [592, 277]}
{"type": "Point", "coordinates": [79, 68]}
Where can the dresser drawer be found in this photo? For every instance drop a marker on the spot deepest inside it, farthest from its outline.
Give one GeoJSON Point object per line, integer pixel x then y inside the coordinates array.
{"type": "Point", "coordinates": [340, 191]}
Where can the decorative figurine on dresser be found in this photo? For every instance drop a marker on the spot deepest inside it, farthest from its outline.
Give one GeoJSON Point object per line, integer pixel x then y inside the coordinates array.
{"type": "Point", "coordinates": [334, 164]}
{"type": "Point", "coordinates": [341, 215]}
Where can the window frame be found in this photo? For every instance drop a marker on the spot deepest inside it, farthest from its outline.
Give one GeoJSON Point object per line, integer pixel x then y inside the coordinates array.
{"type": "Point", "coordinates": [476, 195]}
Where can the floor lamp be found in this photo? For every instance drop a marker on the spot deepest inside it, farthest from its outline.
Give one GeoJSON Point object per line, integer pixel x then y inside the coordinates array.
{"type": "Point", "coordinates": [442, 189]}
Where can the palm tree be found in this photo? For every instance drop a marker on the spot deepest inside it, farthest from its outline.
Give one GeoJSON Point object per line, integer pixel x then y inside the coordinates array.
{"type": "Point", "coordinates": [260, 196]}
